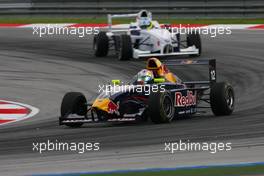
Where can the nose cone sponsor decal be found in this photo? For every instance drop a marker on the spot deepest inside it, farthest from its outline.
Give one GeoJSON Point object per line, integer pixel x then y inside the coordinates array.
{"type": "Point", "coordinates": [112, 107]}
{"type": "Point", "coordinates": [13, 111]}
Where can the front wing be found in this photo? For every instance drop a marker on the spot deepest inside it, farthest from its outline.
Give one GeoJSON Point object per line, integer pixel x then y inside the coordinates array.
{"type": "Point", "coordinates": [185, 51]}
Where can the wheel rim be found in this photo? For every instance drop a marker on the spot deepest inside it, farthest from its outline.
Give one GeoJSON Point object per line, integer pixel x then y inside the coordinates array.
{"type": "Point", "coordinates": [168, 107]}
{"type": "Point", "coordinates": [230, 98]}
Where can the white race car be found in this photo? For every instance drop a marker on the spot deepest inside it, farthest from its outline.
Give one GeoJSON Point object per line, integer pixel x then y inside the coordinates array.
{"type": "Point", "coordinates": [144, 38]}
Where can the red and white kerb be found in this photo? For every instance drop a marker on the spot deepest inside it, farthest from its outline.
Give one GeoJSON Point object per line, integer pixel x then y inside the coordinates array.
{"type": "Point", "coordinates": [13, 111]}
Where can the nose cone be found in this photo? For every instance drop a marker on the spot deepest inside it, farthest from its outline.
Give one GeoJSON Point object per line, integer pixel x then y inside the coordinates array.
{"type": "Point", "coordinates": [112, 107]}
{"type": "Point", "coordinates": [105, 105]}
{"type": "Point", "coordinates": [163, 34]}
{"type": "Point", "coordinates": [101, 104]}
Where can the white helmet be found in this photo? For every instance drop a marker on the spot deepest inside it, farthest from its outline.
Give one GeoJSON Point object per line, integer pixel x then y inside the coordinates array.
{"type": "Point", "coordinates": [144, 19]}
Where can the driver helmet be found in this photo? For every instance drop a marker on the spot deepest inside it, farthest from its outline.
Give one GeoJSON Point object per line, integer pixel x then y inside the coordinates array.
{"type": "Point", "coordinates": [145, 77]}
{"type": "Point", "coordinates": [144, 19]}
{"type": "Point", "coordinates": [144, 22]}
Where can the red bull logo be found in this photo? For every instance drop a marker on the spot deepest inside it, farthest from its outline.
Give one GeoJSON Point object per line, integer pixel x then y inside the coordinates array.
{"type": "Point", "coordinates": [182, 101]}
{"type": "Point", "coordinates": [112, 107]}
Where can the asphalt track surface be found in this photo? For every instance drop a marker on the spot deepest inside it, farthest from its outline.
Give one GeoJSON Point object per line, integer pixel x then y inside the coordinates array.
{"type": "Point", "coordinates": [39, 71]}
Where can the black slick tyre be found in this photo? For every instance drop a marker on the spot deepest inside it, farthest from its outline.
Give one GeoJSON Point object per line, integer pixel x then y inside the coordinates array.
{"type": "Point", "coordinates": [222, 99]}
{"type": "Point", "coordinates": [73, 103]}
{"type": "Point", "coordinates": [101, 44]}
{"type": "Point", "coordinates": [161, 107]}
{"type": "Point", "coordinates": [125, 51]}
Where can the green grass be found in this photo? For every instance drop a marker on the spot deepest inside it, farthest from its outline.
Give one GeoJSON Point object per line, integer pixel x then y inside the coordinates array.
{"type": "Point", "coordinates": [29, 20]}
{"type": "Point", "coordinates": [211, 171]}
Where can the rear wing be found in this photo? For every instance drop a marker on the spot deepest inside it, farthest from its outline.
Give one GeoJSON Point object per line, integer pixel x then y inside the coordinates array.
{"type": "Point", "coordinates": [110, 17]}
{"type": "Point", "coordinates": [211, 63]}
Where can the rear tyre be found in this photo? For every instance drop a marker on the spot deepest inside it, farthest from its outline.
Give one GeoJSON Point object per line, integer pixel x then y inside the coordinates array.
{"type": "Point", "coordinates": [125, 51]}
{"type": "Point", "coordinates": [194, 39]}
{"type": "Point", "coordinates": [73, 103]}
{"type": "Point", "coordinates": [222, 99]}
{"type": "Point", "coordinates": [161, 107]}
{"type": "Point", "coordinates": [101, 44]}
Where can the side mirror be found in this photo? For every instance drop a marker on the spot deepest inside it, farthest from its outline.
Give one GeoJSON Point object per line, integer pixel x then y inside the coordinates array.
{"type": "Point", "coordinates": [116, 81]}
{"type": "Point", "coordinates": [159, 80]}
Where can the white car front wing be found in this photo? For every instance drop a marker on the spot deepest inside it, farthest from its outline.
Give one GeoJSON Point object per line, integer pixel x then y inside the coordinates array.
{"type": "Point", "coordinates": [185, 51]}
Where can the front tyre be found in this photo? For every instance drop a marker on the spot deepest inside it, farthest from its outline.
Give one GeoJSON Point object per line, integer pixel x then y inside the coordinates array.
{"type": "Point", "coordinates": [161, 107]}
{"type": "Point", "coordinates": [222, 99]}
{"type": "Point", "coordinates": [101, 44]}
{"type": "Point", "coordinates": [73, 103]}
{"type": "Point", "coordinates": [125, 50]}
